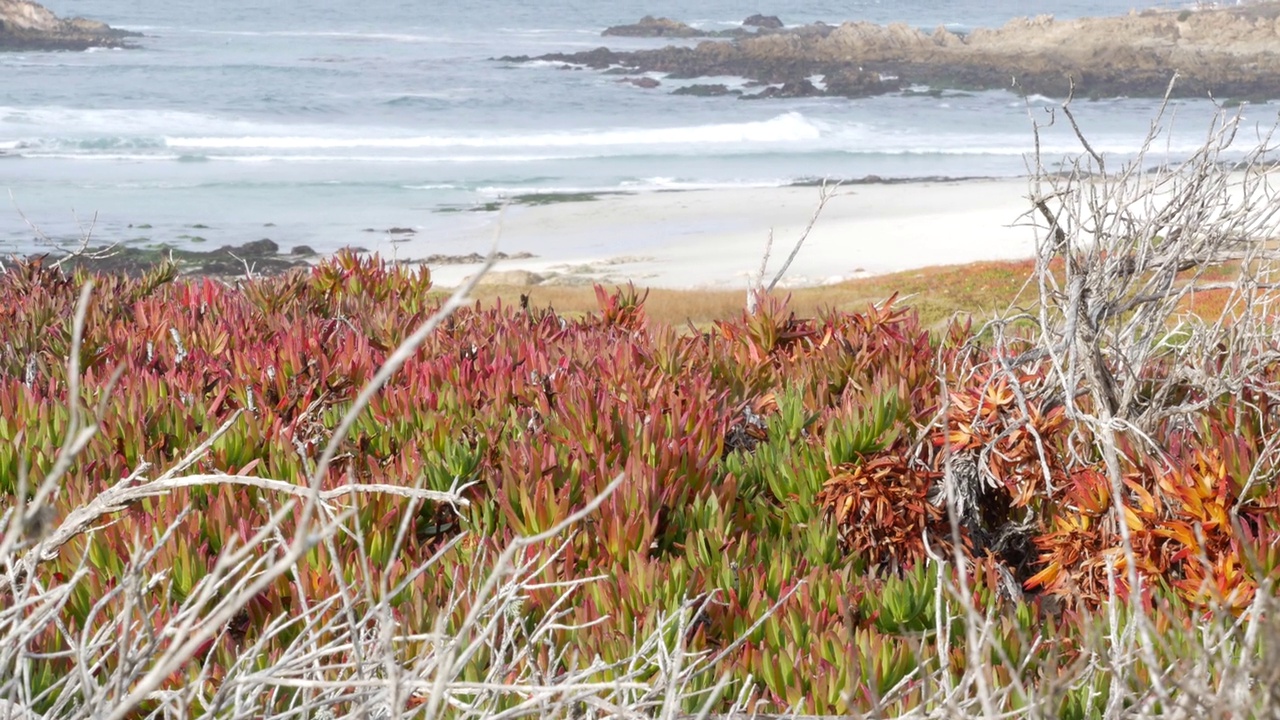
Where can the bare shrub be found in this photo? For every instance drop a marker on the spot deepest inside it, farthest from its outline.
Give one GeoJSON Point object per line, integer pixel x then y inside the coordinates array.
{"type": "Point", "coordinates": [1125, 256]}
{"type": "Point", "coordinates": [1154, 298]}
{"type": "Point", "coordinates": [81, 250]}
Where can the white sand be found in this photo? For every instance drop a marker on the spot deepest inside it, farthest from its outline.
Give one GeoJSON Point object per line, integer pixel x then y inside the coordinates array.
{"type": "Point", "coordinates": [715, 238]}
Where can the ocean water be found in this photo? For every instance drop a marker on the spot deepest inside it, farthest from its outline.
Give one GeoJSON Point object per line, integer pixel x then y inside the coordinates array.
{"type": "Point", "coordinates": [312, 123]}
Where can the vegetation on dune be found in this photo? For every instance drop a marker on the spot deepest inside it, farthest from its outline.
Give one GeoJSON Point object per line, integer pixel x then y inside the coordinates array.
{"type": "Point", "coordinates": [936, 294]}
{"type": "Point", "coordinates": [773, 462]}
{"type": "Point", "coordinates": [334, 493]}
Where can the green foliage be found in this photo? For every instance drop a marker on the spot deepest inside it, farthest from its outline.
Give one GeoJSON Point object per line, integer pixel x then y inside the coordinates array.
{"type": "Point", "coordinates": [869, 429]}
{"type": "Point", "coordinates": [904, 604]}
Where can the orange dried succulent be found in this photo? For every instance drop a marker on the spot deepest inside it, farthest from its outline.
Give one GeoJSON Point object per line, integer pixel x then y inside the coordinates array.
{"type": "Point", "coordinates": [881, 508]}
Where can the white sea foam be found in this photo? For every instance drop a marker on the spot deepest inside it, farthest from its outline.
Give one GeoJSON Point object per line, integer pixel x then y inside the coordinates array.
{"type": "Point", "coordinates": [54, 120]}
{"type": "Point", "coordinates": [379, 158]}
{"type": "Point", "coordinates": [509, 190]}
{"type": "Point", "coordinates": [261, 159]}
{"type": "Point", "coordinates": [651, 184]}
{"type": "Point", "coordinates": [159, 135]}
{"type": "Point", "coordinates": [786, 128]}
{"type": "Point", "coordinates": [557, 64]}
{"type": "Point", "coordinates": [101, 157]}
{"type": "Point", "coordinates": [670, 183]}
{"type": "Point", "coordinates": [1036, 99]}
{"type": "Point", "coordinates": [707, 24]}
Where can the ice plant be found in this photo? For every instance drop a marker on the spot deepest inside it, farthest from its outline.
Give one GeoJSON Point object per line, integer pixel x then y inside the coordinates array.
{"type": "Point", "coordinates": [780, 491]}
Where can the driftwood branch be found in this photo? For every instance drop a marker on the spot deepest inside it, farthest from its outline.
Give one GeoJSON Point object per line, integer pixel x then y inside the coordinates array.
{"type": "Point", "coordinates": [825, 193]}
{"type": "Point", "coordinates": [80, 250]}
{"type": "Point", "coordinates": [120, 497]}
{"type": "Point", "coordinates": [756, 287]}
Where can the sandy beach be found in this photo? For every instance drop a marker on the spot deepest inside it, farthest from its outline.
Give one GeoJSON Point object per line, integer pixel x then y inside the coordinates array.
{"type": "Point", "coordinates": [716, 238]}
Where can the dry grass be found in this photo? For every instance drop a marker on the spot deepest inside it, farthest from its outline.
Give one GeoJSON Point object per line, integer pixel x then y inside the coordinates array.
{"type": "Point", "coordinates": [937, 293]}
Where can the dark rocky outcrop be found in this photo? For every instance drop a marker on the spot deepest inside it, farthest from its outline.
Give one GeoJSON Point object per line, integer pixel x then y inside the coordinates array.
{"type": "Point", "coordinates": [794, 89]}
{"type": "Point", "coordinates": [1231, 52]}
{"type": "Point", "coordinates": [650, 26]}
{"type": "Point", "coordinates": [262, 257]}
{"type": "Point", "coordinates": [602, 58]}
{"type": "Point", "coordinates": [25, 25]}
{"type": "Point", "coordinates": [647, 83]}
{"type": "Point", "coordinates": [766, 22]}
{"type": "Point", "coordinates": [660, 27]}
{"type": "Point", "coordinates": [856, 82]}
{"type": "Point", "coordinates": [703, 90]}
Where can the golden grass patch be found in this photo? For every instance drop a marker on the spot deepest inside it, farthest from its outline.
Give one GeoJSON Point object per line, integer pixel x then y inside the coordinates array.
{"type": "Point", "coordinates": [937, 293]}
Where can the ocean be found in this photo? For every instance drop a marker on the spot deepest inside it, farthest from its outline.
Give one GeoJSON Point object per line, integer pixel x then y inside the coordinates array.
{"type": "Point", "coordinates": [313, 123]}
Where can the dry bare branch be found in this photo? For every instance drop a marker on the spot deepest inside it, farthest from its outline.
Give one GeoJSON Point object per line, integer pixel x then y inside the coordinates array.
{"type": "Point", "coordinates": [81, 250]}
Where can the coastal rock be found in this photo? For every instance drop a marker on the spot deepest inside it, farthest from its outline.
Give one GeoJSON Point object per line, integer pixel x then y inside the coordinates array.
{"type": "Point", "coordinates": [660, 27]}
{"type": "Point", "coordinates": [266, 247]}
{"type": "Point", "coordinates": [602, 58]}
{"type": "Point", "coordinates": [260, 257]}
{"type": "Point", "coordinates": [856, 83]}
{"type": "Point", "coordinates": [794, 89]}
{"type": "Point", "coordinates": [650, 26]}
{"type": "Point", "coordinates": [703, 90]}
{"type": "Point", "coordinates": [766, 22]}
{"type": "Point", "coordinates": [642, 82]}
{"type": "Point", "coordinates": [1231, 52]}
{"type": "Point", "coordinates": [28, 26]}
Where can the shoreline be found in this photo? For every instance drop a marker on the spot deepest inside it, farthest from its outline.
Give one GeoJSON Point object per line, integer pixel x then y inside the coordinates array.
{"type": "Point", "coordinates": [692, 239]}
{"type": "Point", "coordinates": [715, 239]}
